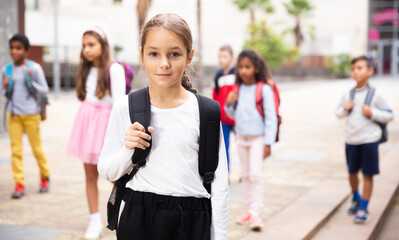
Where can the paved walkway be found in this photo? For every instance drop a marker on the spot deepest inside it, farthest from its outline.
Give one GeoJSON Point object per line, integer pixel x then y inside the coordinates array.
{"type": "Point", "coordinates": [311, 150]}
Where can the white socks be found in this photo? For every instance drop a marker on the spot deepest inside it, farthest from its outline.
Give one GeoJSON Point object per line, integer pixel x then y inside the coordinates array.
{"type": "Point", "coordinates": [95, 217]}
{"type": "Point", "coordinates": [95, 227]}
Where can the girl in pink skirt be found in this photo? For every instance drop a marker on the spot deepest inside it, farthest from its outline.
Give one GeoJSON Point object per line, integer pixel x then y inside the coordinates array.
{"type": "Point", "coordinates": [93, 89]}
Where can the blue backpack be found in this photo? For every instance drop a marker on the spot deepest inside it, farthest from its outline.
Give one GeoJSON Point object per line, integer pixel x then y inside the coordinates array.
{"type": "Point", "coordinates": [40, 98]}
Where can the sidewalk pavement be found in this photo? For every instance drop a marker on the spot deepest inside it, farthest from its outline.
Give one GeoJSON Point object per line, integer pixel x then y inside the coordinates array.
{"type": "Point", "coordinates": [311, 150]}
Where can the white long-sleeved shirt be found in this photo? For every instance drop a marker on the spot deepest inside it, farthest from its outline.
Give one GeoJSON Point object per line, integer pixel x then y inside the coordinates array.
{"type": "Point", "coordinates": [172, 165]}
{"type": "Point", "coordinates": [360, 129]}
{"type": "Point", "coordinates": [248, 120]}
{"type": "Point", "coordinates": [118, 85]}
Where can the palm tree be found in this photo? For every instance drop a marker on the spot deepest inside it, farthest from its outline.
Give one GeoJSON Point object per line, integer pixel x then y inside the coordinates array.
{"type": "Point", "coordinates": [142, 10]}
{"type": "Point", "coordinates": [298, 9]}
{"type": "Point", "coordinates": [251, 5]}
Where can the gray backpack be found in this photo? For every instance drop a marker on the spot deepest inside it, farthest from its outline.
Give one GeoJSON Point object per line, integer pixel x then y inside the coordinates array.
{"type": "Point", "coordinates": [369, 97]}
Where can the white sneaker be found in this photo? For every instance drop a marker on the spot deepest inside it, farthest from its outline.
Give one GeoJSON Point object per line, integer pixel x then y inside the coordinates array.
{"type": "Point", "coordinates": [94, 230]}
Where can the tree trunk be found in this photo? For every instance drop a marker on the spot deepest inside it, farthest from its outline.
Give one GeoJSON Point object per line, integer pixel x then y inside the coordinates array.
{"type": "Point", "coordinates": [298, 33]}
{"type": "Point", "coordinates": [142, 10]}
{"type": "Point", "coordinates": [252, 14]}
{"type": "Point", "coordinates": [299, 72]}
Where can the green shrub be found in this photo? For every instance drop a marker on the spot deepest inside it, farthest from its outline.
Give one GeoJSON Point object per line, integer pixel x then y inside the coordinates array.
{"type": "Point", "coordinates": [339, 65]}
{"type": "Point", "coordinates": [270, 45]}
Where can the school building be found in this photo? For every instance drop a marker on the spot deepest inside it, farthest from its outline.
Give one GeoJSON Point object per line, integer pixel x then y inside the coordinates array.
{"type": "Point", "coordinates": [354, 27]}
{"type": "Point", "coordinates": [383, 39]}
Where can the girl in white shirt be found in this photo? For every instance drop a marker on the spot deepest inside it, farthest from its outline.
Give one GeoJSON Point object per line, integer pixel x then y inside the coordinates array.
{"type": "Point", "coordinates": [166, 198]}
{"type": "Point", "coordinates": [91, 121]}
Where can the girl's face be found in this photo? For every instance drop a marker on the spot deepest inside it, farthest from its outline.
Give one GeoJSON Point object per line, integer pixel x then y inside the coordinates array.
{"type": "Point", "coordinates": [91, 49]}
{"type": "Point", "coordinates": [17, 52]}
{"type": "Point", "coordinates": [164, 57]}
{"type": "Point", "coordinates": [247, 71]}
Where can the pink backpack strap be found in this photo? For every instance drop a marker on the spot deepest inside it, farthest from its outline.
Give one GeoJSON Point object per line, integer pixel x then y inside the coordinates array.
{"type": "Point", "coordinates": [259, 98]}
{"type": "Point", "coordinates": [236, 88]}
{"type": "Point", "coordinates": [276, 93]}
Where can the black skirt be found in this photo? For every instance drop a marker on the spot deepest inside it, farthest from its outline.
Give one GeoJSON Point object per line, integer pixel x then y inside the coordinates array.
{"type": "Point", "coordinates": [149, 216]}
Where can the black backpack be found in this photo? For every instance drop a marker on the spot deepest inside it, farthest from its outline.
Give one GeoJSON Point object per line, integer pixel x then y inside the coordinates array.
{"type": "Point", "coordinates": [208, 155]}
{"type": "Point", "coordinates": [369, 97]}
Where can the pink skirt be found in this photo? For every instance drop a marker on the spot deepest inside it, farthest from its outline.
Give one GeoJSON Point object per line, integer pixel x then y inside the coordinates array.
{"type": "Point", "coordinates": [88, 131]}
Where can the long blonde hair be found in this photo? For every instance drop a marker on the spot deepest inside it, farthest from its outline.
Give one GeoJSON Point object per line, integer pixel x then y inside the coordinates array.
{"type": "Point", "coordinates": [178, 26]}
{"type": "Point", "coordinates": [84, 69]}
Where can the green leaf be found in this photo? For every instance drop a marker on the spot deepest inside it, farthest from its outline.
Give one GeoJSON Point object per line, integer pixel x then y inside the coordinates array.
{"type": "Point", "coordinates": [264, 5]}
{"type": "Point", "coordinates": [339, 65]}
{"type": "Point", "coordinates": [270, 45]}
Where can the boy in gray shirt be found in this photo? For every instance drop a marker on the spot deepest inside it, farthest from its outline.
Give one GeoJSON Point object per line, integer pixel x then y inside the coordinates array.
{"type": "Point", "coordinates": [23, 110]}
{"type": "Point", "coordinates": [362, 134]}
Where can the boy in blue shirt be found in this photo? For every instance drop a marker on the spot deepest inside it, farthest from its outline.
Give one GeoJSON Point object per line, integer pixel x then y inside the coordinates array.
{"type": "Point", "coordinates": [362, 134]}
{"type": "Point", "coordinates": [23, 110]}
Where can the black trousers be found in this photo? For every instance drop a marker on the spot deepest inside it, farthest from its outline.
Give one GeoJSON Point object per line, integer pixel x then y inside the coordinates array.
{"type": "Point", "coordinates": [149, 216]}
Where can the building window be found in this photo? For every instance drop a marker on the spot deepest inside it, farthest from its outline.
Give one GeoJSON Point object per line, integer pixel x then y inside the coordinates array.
{"type": "Point", "coordinates": [32, 4]}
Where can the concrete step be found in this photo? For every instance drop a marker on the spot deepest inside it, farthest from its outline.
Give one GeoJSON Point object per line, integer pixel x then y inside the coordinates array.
{"type": "Point", "coordinates": [321, 212]}
{"type": "Point", "coordinates": [390, 230]}
{"type": "Point", "coordinates": [302, 218]}
{"type": "Point", "coordinates": [341, 225]}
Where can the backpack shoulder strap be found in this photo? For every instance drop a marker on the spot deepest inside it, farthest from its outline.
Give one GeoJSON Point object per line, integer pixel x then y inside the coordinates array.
{"type": "Point", "coordinates": [275, 90]}
{"type": "Point", "coordinates": [9, 70]}
{"type": "Point", "coordinates": [10, 88]}
{"type": "Point", "coordinates": [352, 94]}
{"type": "Point", "coordinates": [259, 98]}
{"type": "Point", "coordinates": [351, 97]}
{"type": "Point", "coordinates": [30, 64]}
{"type": "Point", "coordinates": [140, 111]}
{"type": "Point", "coordinates": [369, 96]}
{"type": "Point", "coordinates": [208, 155]}
{"type": "Point", "coordinates": [28, 79]}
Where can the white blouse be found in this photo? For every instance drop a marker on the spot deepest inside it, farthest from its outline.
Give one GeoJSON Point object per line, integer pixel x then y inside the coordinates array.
{"type": "Point", "coordinates": [172, 165]}
{"type": "Point", "coordinates": [118, 85]}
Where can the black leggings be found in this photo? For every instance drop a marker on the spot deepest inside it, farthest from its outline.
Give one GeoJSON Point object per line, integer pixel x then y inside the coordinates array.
{"type": "Point", "coordinates": [149, 216]}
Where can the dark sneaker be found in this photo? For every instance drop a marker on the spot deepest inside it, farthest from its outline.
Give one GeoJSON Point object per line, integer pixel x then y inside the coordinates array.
{"type": "Point", "coordinates": [362, 216]}
{"type": "Point", "coordinates": [19, 191]}
{"type": "Point", "coordinates": [256, 224]}
{"type": "Point", "coordinates": [44, 185]}
{"type": "Point", "coordinates": [354, 206]}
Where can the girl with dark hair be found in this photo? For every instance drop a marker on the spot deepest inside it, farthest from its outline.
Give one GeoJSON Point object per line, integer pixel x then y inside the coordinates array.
{"type": "Point", "coordinates": [92, 118]}
{"type": "Point", "coordinates": [166, 198]}
{"type": "Point", "coordinates": [255, 134]}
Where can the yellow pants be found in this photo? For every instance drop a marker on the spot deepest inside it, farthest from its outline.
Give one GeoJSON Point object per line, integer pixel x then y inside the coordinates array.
{"type": "Point", "coordinates": [30, 124]}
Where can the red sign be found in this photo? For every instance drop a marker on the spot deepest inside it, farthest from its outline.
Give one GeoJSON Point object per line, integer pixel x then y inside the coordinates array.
{"type": "Point", "coordinates": [389, 15]}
